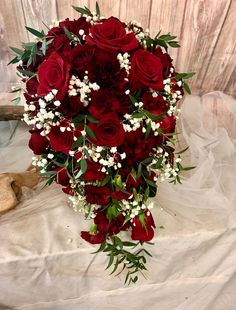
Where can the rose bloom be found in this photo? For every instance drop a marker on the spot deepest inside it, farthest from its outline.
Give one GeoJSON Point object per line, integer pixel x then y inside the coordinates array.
{"type": "Point", "coordinates": [93, 171]}
{"type": "Point", "coordinates": [71, 106]}
{"type": "Point", "coordinates": [111, 35]}
{"type": "Point", "coordinates": [143, 233]}
{"type": "Point", "coordinates": [62, 176]}
{"type": "Point", "coordinates": [93, 238]}
{"type": "Point", "coordinates": [109, 131]}
{"type": "Point", "coordinates": [53, 73]}
{"type": "Point", "coordinates": [155, 105]}
{"type": "Point", "coordinates": [61, 141]}
{"type": "Point", "coordinates": [97, 195]}
{"type": "Point", "coordinates": [146, 71]}
{"type": "Point", "coordinates": [102, 101]}
{"type": "Point", "coordinates": [38, 143]}
{"type": "Point", "coordinates": [81, 57]}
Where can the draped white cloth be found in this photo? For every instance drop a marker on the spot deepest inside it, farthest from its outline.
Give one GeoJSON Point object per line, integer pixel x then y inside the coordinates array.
{"type": "Point", "coordinates": [44, 264]}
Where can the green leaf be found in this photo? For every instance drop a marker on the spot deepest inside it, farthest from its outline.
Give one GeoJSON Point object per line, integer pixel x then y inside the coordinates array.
{"type": "Point", "coordinates": [16, 100]}
{"type": "Point", "coordinates": [154, 117]}
{"type": "Point", "coordinates": [161, 43]}
{"type": "Point", "coordinates": [81, 10]}
{"type": "Point", "coordinates": [14, 60]}
{"type": "Point", "coordinates": [174, 44]}
{"type": "Point", "coordinates": [187, 88]}
{"type": "Point", "coordinates": [91, 119]}
{"type": "Point", "coordinates": [90, 133]}
{"type": "Point", "coordinates": [129, 244]}
{"type": "Point", "coordinates": [111, 259]}
{"type": "Point", "coordinates": [188, 168]}
{"type": "Point", "coordinates": [26, 72]}
{"type": "Point", "coordinates": [148, 130]}
{"type": "Point", "coordinates": [183, 76]}
{"type": "Point", "coordinates": [35, 32]}
{"type": "Point", "coordinates": [166, 37]}
{"type": "Point", "coordinates": [133, 99]}
{"type": "Point", "coordinates": [182, 151]}
{"type": "Point", "coordinates": [83, 165]}
{"type": "Point", "coordinates": [105, 180]}
{"type": "Point", "coordinates": [101, 248]}
{"type": "Point", "coordinates": [138, 114]}
{"type": "Point", "coordinates": [97, 9]}
{"type": "Point", "coordinates": [68, 34]}
{"type": "Point", "coordinates": [78, 118]}
{"type": "Point", "coordinates": [17, 50]}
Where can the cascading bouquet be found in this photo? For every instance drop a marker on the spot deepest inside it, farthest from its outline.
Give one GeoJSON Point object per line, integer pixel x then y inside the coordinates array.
{"type": "Point", "coordinates": [101, 98]}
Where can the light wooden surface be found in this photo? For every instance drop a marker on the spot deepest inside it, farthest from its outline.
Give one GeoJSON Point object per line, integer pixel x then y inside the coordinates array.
{"type": "Point", "coordinates": [206, 30]}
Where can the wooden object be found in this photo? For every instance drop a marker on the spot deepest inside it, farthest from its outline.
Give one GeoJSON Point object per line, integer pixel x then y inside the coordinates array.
{"type": "Point", "coordinates": [11, 187]}
{"type": "Point", "coordinates": [10, 112]}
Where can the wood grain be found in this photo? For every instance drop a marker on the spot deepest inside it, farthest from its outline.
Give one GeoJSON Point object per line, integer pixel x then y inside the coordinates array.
{"type": "Point", "coordinates": [168, 16]}
{"type": "Point", "coordinates": [221, 71]}
{"type": "Point", "coordinates": [10, 112]}
{"type": "Point", "coordinates": [206, 30]}
{"type": "Point", "coordinates": [201, 27]}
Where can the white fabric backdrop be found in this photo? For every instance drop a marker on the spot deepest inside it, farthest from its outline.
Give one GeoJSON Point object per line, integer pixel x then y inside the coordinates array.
{"type": "Point", "coordinates": [44, 264]}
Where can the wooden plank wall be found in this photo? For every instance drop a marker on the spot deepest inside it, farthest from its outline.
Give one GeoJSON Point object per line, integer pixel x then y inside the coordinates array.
{"type": "Point", "coordinates": [206, 30]}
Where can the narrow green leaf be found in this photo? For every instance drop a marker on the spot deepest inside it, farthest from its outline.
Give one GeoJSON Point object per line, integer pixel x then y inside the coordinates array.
{"type": "Point", "coordinates": [188, 168]}
{"type": "Point", "coordinates": [17, 50]}
{"type": "Point", "coordinates": [187, 88]}
{"type": "Point", "coordinates": [16, 100]}
{"type": "Point", "coordinates": [83, 165]}
{"type": "Point", "coordinates": [26, 72]}
{"type": "Point", "coordinates": [101, 248]}
{"type": "Point", "coordinates": [81, 10]}
{"type": "Point", "coordinates": [78, 142]}
{"type": "Point", "coordinates": [97, 9]}
{"type": "Point", "coordinates": [68, 34]}
{"type": "Point", "coordinates": [90, 133]}
{"type": "Point", "coordinates": [174, 44]}
{"type": "Point", "coordinates": [183, 76]}
{"type": "Point", "coordinates": [91, 119]}
{"type": "Point", "coordinates": [35, 32]}
{"type": "Point", "coordinates": [111, 259]}
{"type": "Point", "coordinates": [148, 130]}
{"type": "Point", "coordinates": [182, 151]}
{"type": "Point", "coordinates": [154, 117]}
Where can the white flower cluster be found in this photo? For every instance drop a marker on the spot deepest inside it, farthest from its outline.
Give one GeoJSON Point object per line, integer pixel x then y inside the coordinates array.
{"type": "Point", "coordinates": [154, 126]}
{"type": "Point", "coordinates": [43, 119]}
{"type": "Point", "coordinates": [139, 33]}
{"type": "Point", "coordinates": [82, 88]}
{"type": "Point", "coordinates": [78, 204]}
{"type": "Point", "coordinates": [171, 96]}
{"type": "Point", "coordinates": [124, 61]}
{"type": "Point", "coordinates": [94, 18]}
{"type": "Point", "coordinates": [169, 171]}
{"type": "Point", "coordinates": [132, 207]}
{"type": "Point", "coordinates": [131, 123]}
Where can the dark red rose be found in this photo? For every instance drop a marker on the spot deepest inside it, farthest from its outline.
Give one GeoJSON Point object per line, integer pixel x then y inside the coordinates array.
{"type": "Point", "coordinates": [111, 35]}
{"type": "Point", "coordinates": [168, 124]}
{"type": "Point", "coordinates": [60, 44]}
{"type": "Point", "coordinates": [155, 105]}
{"type": "Point", "coordinates": [38, 143]}
{"type": "Point", "coordinates": [175, 86]}
{"type": "Point", "coordinates": [93, 171]}
{"type": "Point", "coordinates": [93, 238]}
{"type": "Point", "coordinates": [82, 56]}
{"type": "Point", "coordinates": [131, 182]}
{"type": "Point", "coordinates": [105, 70]}
{"type": "Point", "coordinates": [102, 101]}
{"type": "Point", "coordinates": [143, 232]}
{"type": "Point", "coordinates": [109, 227]}
{"type": "Point", "coordinates": [61, 141]}
{"type": "Point", "coordinates": [97, 195]}
{"type": "Point", "coordinates": [75, 26]}
{"type": "Point", "coordinates": [118, 195]}
{"type": "Point", "coordinates": [109, 131]}
{"type": "Point", "coordinates": [53, 73]}
{"type": "Point", "coordinates": [68, 190]}
{"type": "Point", "coordinates": [62, 176]}
{"type": "Point", "coordinates": [146, 71]}
{"type": "Point", "coordinates": [32, 86]}
{"type": "Point", "coordinates": [71, 106]}
{"type": "Point", "coordinates": [166, 61]}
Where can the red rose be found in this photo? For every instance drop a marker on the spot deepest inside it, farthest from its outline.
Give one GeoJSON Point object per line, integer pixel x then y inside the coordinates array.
{"type": "Point", "coordinates": [38, 143]}
{"type": "Point", "coordinates": [109, 131]}
{"type": "Point", "coordinates": [75, 26]}
{"type": "Point", "coordinates": [146, 71]}
{"type": "Point", "coordinates": [93, 238]}
{"type": "Point", "coordinates": [53, 73]}
{"type": "Point", "coordinates": [71, 106]}
{"type": "Point", "coordinates": [105, 70]}
{"type": "Point", "coordinates": [118, 195]}
{"type": "Point", "coordinates": [102, 102]}
{"type": "Point", "coordinates": [82, 55]}
{"type": "Point", "coordinates": [143, 232]}
{"type": "Point", "coordinates": [61, 141]}
{"type": "Point", "coordinates": [155, 105]}
{"type": "Point", "coordinates": [168, 124]}
{"type": "Point", "coordinates": [32, 86]}
{"type": "Point", "coordinates": [166, 61]}
{"type": "Point", "coordinates": [68, 190]}
{"type": "Point", "coordinates": [97, 195]}
{"type": "Point", "coordinates": [109, 227]}
{"type": "Point", "coordinates": [60, 44]}
{"type": "Point", "coordinates": [111, 35]}
{"type": "Point", "coordinates": [62, 176]}
{"type": "Point", "coordinates": [93, 171]}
